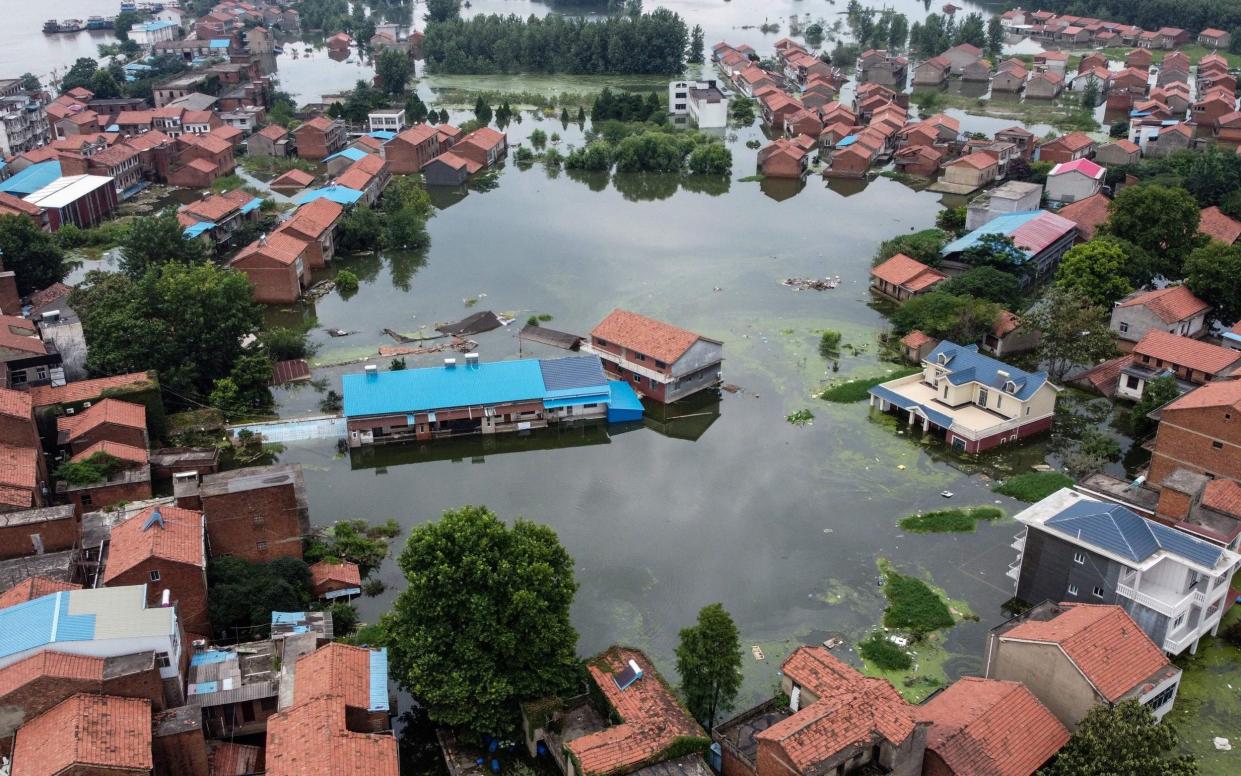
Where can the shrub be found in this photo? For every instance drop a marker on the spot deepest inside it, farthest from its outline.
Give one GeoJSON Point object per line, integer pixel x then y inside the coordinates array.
{"type": "Point", "coordinates": [913, 606]}
{"type": "Point", "coordinates": [858, 390]}
{"type": "Point", "coordinates": [1033, 486]}
{"type": "Point", "coordinates": [884, 654]}
{"type": "Point", "coordinates": [950, 520]}
{"type": "Point", "coordinates": [344, 618]}
{"type": "Point", "coordinates": [97, 468]}
{"type": "Point", "coordinates": [829, 344]}
{"type": "Point", "coordinates": [346, 281]}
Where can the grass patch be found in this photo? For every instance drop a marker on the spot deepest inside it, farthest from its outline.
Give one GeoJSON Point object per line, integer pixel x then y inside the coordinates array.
{"type": "Point", "coordinates": [267, 167]}
{"type": "Point", "coordinates": [800, 418]}
{"type": "Point", "coordinates": [915, 182]}
{"type": "Point", "coordinates": [857, 390]}
{"type": "Point", "coordinates": [1207, 703]}
{"type": "Point", "coordinates": [950, 520]}
{"type": "Point", "coordinates": [913, 606]}
{"type": "Point", "coordinates": [884, 654]}
{"type": "Point", "coordinates": [1033, 486]}
{"type": "Point", "coordinates": [829, 344]}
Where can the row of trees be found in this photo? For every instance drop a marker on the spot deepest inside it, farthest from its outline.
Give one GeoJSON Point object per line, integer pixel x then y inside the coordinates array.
{"type": "Point", "coordinates": [939, 33]}
{"type": "Point", "coordinates": [875, 29]}
{"type": "Point", "coordinates": [653, 150]}
{"type": "Point", "coordinates": [654, 43]}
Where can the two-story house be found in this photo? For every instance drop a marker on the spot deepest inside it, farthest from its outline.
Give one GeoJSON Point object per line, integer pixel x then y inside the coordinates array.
{"type": "Point", "coordinates": [977, 401]}
{"type": "Point", "coordinates": [1079, 550]}
{"type": "Point", "coordinates": [1174, 309]}
{"type": "Point", "coordinates": [1159, 353]}
{"type": "Point", "coordinates": [1201, 432]}
{"type": "Point", "coordinates": [277, 267]}
{"type": "Point", "coordinates": [662, 361]}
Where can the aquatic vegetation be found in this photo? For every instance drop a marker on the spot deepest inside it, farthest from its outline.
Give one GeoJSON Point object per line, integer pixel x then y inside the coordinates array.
{"type": "Point", "coordinates": [800, 417]}
{"type": "Point", "coordinates": [857, 390]}
{"type": "Point", "coordinates": [884, 653]}
{"type": "Point", "coordinates": [950, 520]}
{"type": "Point", "coordinates": [913, 606]}
{"type": "Point", "coordinates": [1033, 486]}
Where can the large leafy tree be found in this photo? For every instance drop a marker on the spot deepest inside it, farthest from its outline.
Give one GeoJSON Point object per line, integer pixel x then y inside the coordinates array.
{"type": "Point", "coordinates": [994, 285]}
{"type": "Point", "coordinates": [186, 322]}
{"type": "Point", "coordinates": [394, 67]}
{"type": "Point", "coordinates": [960, 319]}
{"type": "Point", "coordinates": [442, 10]}
{"type": "Point", "coordinates": [30, 254]}
{"type": "Point", "coordinates": [242, 595]}
{"type": "Point", "coordinates": [1213, 272]}
{"type": "Point", "coordinates": [1160, 220]}
{"type": "Point", "coordinates": [1074, 331]}
{"type": "Point", "coordinates": [709, 661]}
{"type": "Point", "coordinates": [1124, 738]}
{"type": "Point", "coordinates": [80, 74]}
{"type": "Point", "coordinates": [1096, 270]}
{"type": "Point", "coordinates": [154, 240]}
{"type": "Point", "coordinates": [484, 621]}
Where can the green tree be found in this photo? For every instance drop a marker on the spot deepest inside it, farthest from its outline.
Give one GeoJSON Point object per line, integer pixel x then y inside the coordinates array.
{"type": "Point", "coordinates": [1074, 331]}
{"type": "Point", "coordinates": [923, 246]}
{"type": "Point", "coordinates": [1213, 272]}
{"type": "Point", "coordinates": [696, 45]}
{"type": "Point", "coordinates": [538, 138]}
{"type": "Point", "coordinates": [1157, 393]}
{"type": "Point", "coordinates": [80, 74]}
{"type": "Point", "coordinates": [186, 322]}
{"type": "Point", "coordinates": [1160, 220]}
{"type": "Point", "coordinates": [961, 319]}
{"type": "Point", "coordinates": [104, 85]}
{"type": "Point", "coordinates": [995, 37]}
{"type": "Point", "coordinates": [155, 240]}
{"type": "Point", "coordinates": [360, 229]}
{"type": "Point", "coordinates": [408, 191]}
{"type": "Point", "coordinates": [30, 254]}
{"type": "Point", "coordinates": [461, 634]}
{"type": "Point", "coordinates": [1125, 738]}
{"type": "Point", "coordinates": [1140, 268]}
{"type": "Point", "coordinates": [741, 111]}
{"type": "Point", "coordinates": [283, 343]}
{"type": "Point", "coordinates": [994, 285]}
{"type": "Point", "coordinates": [711, 159]}
{"type": "Point", "coordinates": [241, 596]}
{"type": "Point", "coordinates": [415, 109]}
{"type": "Point", "coordinates": [123, 23]}
{"type": "Point", "coordinates": [482, 111]}
{"type": "Point", "coordinates": [394, 68]}
{"type": "Point", "coordinates": [406, 229]}
{"type": "Point", "coordinates": [995, 250]}
{"type": "Point", "coordinates": [709, 662]}
{"type": "Point", "coordinates": [1096, 270]}
{"type": "Point", "coordinates": [951, 220]}
{"type": "Point", "coordinates": [443, 10]}
{"type": "Point", "coordinates": [30, 82]}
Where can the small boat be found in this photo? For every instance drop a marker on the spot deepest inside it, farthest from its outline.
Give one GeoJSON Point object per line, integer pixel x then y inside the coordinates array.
{"type": "Point", "coordinates": [947, 494]}
{"type": "Point", "coordinates": [50, 26]}
{"type": "Point", "coordinates": [71, 25]}
{"type": "Point", "coordinates": [128, 5]}
{"type": "Point", "coordinates": [98, 23]}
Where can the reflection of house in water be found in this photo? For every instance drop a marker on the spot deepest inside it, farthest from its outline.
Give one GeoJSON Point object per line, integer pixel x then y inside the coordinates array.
{"type": "Point", "coordinates": [781, 189]}
{"type": "Point", "coordinates": [847, 187]}
{"type": "Point", "coordinates": [688, 419]}
{"type": "Point", "coordinates": [476, 449]}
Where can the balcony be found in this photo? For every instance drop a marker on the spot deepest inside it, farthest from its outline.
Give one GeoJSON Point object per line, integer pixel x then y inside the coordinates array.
{"type": "Point", "coordinates": [1014, 570]}
{"type": "Point", "coordinates": [1161, 600]}
{"type": "Point", "coordinates": [1178, 644]}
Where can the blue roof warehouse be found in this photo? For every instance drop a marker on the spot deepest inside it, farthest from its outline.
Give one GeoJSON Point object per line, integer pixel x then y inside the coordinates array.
{"type": "Point", "coordinates": [458, 399]}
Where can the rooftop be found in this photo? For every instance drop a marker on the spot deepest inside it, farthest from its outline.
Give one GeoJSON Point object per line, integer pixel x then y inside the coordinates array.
{"type": "Point", "coordinates": [34, 587]}
{"type": "Point", "coordinates": [1224, 393]}
{"type": "Point", "coordinates": [359, 676]}
{"type": "Point", "coordinates": [63, 192]}
{"type": "Point", "coordinates": [114, 411]}
{"type": "Point", "coordinates": [901, 270]}
{"type": "Point", "coordinates": [1083, 166]}
{"type": "Point", "coordinates": [653, 338]}
{"type": "Point", "coordinates": [1032, 231]}
{"type": "Point", "coordinates": [20, 334]}
{"type": "Point", "coordinates": [88, 731]}
{"type": "Point", "coordinates": [1218, 226]}
{"type": "Point", "coordinates": [80, 616]}
{"type": "Point", "coordinates": [85, 390]}
{"type": "Point", "coordinates": [965, 365]}
{"type": "Point", "coordinates": [312, 739]}
{"type": "Point", "coordinates": [1186, 352]}
{"type": "Point", "coordinates": [163, 532]}
{"type": "Point", "coordinates": [1171, 304]}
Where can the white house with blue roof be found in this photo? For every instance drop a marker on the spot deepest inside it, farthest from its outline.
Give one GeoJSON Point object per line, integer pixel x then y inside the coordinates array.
{"type": "Point", "coordinates": [458, 399]}
{"type": "Point", "coordinates": [975, 400]}
{"type": "Point", "coordinates": [1077, 549]}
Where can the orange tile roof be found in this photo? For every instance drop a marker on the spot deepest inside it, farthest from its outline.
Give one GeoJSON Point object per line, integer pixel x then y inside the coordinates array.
{"type": "Point", "coordinates": [311, 739]}
{"type": "Point", "coordinates": [1088, 213]}
{"type": "Point", "coordinates": [273, 132]}
{"type": "Point", "coordinates": [978, 160]}
{"type": "Point", "coordinates": [320, 123]}
{"type": "Point", "coordinates": [12, 205]}
{"type": "Point", "coordinates": [178, 539]}
{"type": "Point", "coordinates": [916, 339]}
{"type": "Point", "coordinates": [656, 339]}
{"type": "Point", "coordinates": [116, 450]}
{"type": "Point", "coordinates": [901, 270]}
{"type": "Point", "coordinates": [1223, 393]}
{"type": "Point", "coordinates": [345, 572]}
{"type": "Point", "coordinates": [1171, 304]}
{"type": "Point", "coordinates": [419, 133]}
{"type": "Point", "coordinates": [279, 246]}
{"type": "Point", "coordinates": [484, 138]}
{"type": "Point", "coordinates": [1218, 226]}
{"type": "Point", "coordinates": [19, 468]}
{"type": "Point", "coordinates": [992, 727]}
{"type": "Point", "coordinates": [217, 206]}
{"type": "Point", "coordinates": [20, 334]}
{"type": "Point", "coordinates": [34, 587]}
{"type": "Point", "coordinates": [361, 173]}
{"type": "Point", "coordinates": [313, 219]}
{"type": "Point", "coordinates": [335, 669]}
{"type": "Point", "coordinates": [294, 179]}
{"type": "Point", "coordinates": [52, 665]}
{"type": "Point", "coordinates": [84, 390]}
{"type": "Point", "coordinates": [651, 718]}
{"type": "Point", "coordinates": [1223, 496]}
{"type": "Point", "coordinates": [458, 162]}
{"type": "Point", "coordinates": [1186, 352]}
{"type": "Point", "coordinates": [120, 413]}
{"type": "Point", "coordinates": [204, 166]}
{"type": "Point", "coordinates": [15, 403]}
{"type": "Point", "coordinates": [1104, 642]}
{"type": "Point", "coordinates": [852, 709]}
{"type": "Point", "coordinates": [100, 731]}
{"type": "Point", "coordinates": [1074, 141]}
{"type": "Point", "coordinates": [1005, 323]}
{"type": "Point", "coordinates": [211, 143]}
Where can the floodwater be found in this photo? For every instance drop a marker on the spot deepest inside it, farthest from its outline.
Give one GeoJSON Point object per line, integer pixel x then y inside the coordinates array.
{"type": "Point", "coordinates": [26, 49]}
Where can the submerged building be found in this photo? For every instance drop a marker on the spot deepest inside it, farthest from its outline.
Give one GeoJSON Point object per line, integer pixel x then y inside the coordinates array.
{"type": "Point", "coordinates": [475, 398]}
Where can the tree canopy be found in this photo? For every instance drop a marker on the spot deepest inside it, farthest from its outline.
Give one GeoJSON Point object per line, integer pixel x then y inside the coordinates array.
{"type": "Point", "coordinates": [154, 240]}
{"type": "Point", "coordinates": [30, 254]}
{"type": "Point", "coordinates": [1160, 220]}
{"type": "Point", "coordinates": [923, 246]}
{"type": "Point", "coordinates": [242, 595]}
{"type": "Point", "coordinates": [994, 285]}
{"type": "Point", "coordinates": [961, 319]}
{"type": "Point", "coordinates": [1074, 331]}
{"type": "Point", "coordinates": [484, 621]}
{"type": "Point", "coordinates": [1213, 272]}
{"type": "Point", "coordinates": [1096, 270]}
{"type": "Point", "coordinates": [1124, 738]}
{"type": "Point", "coordinates": [709, 661]}
{"type": "Point", "coordinates": [394, 68]}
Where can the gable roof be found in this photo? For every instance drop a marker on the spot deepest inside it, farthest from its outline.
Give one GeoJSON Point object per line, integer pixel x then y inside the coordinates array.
{"type": "Point", "coordinates": [1186, 352]}
{"type": "Point", "coordinates": [19, 475]}
{"type": "Point", "coordinates": [1104, 642]}
{"type": "Point", "coordinates": [1032, 231]}
{"type": "Point", "coordinates": [83, 390]}
{"type": "Point", "coordinates": [979, 160]}
{"type": "Point", "coordinates": [1171, 304]}
{"type": "Point", "coordinates": [656, 339]}
{"type": "Point", "coordinates": [1089, 213]}
{"type": "Point", "coordinates": [120, 413]}
{"type": "Point", "coordinates": [359, 676]}
{"type": "Point", "coordinates": [51, 665]}
{"type": "Point", "coordinates": [294, 178]}
{"type": "Point", "coordinates": [1218, 226]}
{"type": "Point", "coordinates": [103, 731]}
{"type": "Point", "coordinates": [993, 727]}
{"type": "Point", "coordinates": [15, 403]}
{"type": "Point", "coordinates": [164, 532]}
{"type": "Point", "coordinates": [1114, 529]}
{"type": "Point", "coordinates": [280, 247]}
{"type": "Point", "coordinates": [1083, 166]}
{"type": "Point", "coordinates": [314, 218]}
{"type": "Point", "coordinates": [344, 572]}
{"type": "Point", "coordinates": [129, 453]}
{"type": "Point", "coordinates": [1073, 141]}
{"type": "Point", "coordinates": [18, 333]}
{"type": "Point", "coordinates": [901, 270]}
{"type": "Point", "coordinates": [273, 132]}
{"type": "Point", "coordinates": [1223, 496]}
{"type": "Point", "coordinates": [1222, 393]}
{"type": "Point", "coordinates": [31, 588]}
{"type": "Point", "coordinates": [965, 365]}
{"type": "Point", "coordinates": [312, 739]}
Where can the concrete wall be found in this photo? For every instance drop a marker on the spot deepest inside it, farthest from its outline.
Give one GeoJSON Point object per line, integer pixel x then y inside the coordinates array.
{"type": "Point", "coordinates": [1048, 569]}
{"type": "Point", "coordinates": [1050, 675]}
{"type": "Point", "coordinates": [1140, 320]}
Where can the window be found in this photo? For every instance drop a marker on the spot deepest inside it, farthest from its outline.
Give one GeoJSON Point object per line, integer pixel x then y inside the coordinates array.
{"type": "Point", "coordinates": [257, 520]}
{"type": "Point", "coordinates": [86, 501]}
{"type": "Point", "coordinates": [982, 397]}
{"type": "Point", "coordinates": [639, 356]}
{"type": "Point", "coordinates": [660, 364]}
{"type": "Point", "coordinates": [262, 546]}
{"type": "Point", "coordinates": [1072, 589]}
{"type": "Point", "coordinates": [1027, 410]}
{"type": "Point", "coordinates": [999, 401]}
{"type": "Point", "coordinates": [1079, 557]}
{"type": "Point", "coordinates": [601, 343]}
{"type": "Point", "coordinates": [1194, 578]}
{"type": "Point", "coordinates": [1216, 444]}
{"type": "Point", "coordinates": [1162, 699]}
{"type": "Point", "coordinates": [1097, 591]}
{"type": "Point", "coordinates": [653, 382]}
{"type": "Point", "coordinates": [154, 575]}
{"type": "Point", "coordinates": [1132, 382]}
{"type": "Point", "coordinates": [163, 660]}
{"type": "Point", "coordinates": [945, 391]}
{"type": "Point", "coordinates": [1180, 618]}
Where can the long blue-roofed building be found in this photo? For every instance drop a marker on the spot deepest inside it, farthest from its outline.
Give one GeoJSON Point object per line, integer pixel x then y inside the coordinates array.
{"type": "Point", "coordinates": [1075, 549]}
{"type": "Point", "coordinates": [464, 396]}
{"type": "Point", "coordinates": [1040, 237]}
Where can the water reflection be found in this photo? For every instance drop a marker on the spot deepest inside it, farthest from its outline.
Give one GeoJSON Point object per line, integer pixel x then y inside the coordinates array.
{"type": "Point", "coordinates": [781, 189]}
{"type": "Point", "coordinates": [476, 449]}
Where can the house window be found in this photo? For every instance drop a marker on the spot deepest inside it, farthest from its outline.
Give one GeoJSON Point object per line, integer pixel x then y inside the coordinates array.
{"type": "Point", "coordinates": [653, 383]}
{"type": "Point", "coordinates": [1027, 410]}
{"type": "Point", "coordinates": [945, 391]}
{"type": "Point", "coordinates": [1079, 557]}
{"type": "Point", "coordinates": [1180, 618]}
{"type": "Point", "coordinates": [257, 520]}
{"type": "Point", "coordinates": [86, 500]}
{"type": "Point", "coordinates": [639, 356]}
{"type": "Point", "coordinates": [1194, 578]}
{"type": "Point", "coordinates": [1072, 589]}
{"type": "Point", "coordinates": [262, 546]}
{"type": "Point", "coordinates": [1132, 382]}
{"type": "Point", "coordinates": [601, 343]}
{"type": "Point", "coordinates": [1097, 591]}
{"type": "Point", "coordinates": [982, 397]}
{"type": "Point", "coordinates": [154, 575]}
{"type": "Point", "coordinates": [999, 401]}
{"type": "Point", "coordinates": [661, 364]}
{"type": "Point", "coordinates": [163, 660]}
{"type": "Point", "coordinates": [1124, 327]}
{"type": "Point", "coordinates": [1216, 444]}
{"type": "Point", "coordinates": [1162, 699]}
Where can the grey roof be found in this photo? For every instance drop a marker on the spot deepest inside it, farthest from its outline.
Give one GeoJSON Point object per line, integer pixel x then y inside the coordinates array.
{"type": "Point", "coordinates": [1113, 528]}
{"type": "Point", "coordinates": [33, 516]}
{"type": "Point", "coordinates": [560, 374]}
{"type": "Point", "coordinates": [53, 565]}
{"type": "Point", "coordinates": [251, 478]}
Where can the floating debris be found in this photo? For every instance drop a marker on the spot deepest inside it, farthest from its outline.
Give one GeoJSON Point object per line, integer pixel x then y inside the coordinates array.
{"type": "Point", "coordinates": [812, 284]}
{"type": "Point", "coordinates": [833, 642]}
{"type": "Point", "coordinates": [758, 652]}
{"type": "Point", "coordinates": [947, 494]}
{"type": "Point", "coordinates": [1223, 744]}
{"type": "Point", "coordinates": [730, 387]}
{"type": "Point", "coordinates": [339, 332]}
{"type": "Point", "coordinates": [800, 418]}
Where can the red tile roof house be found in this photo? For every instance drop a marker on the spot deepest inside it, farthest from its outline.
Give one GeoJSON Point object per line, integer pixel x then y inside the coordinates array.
{"type": "Point", "coordinates": [320, 137]}
{"type": "Point", "coordinates": [1192, 362]}
{"type": "Point", "coordinates": [272, 140]}
{"type": "Point", "coordinates": [29, 589]}
{"type": "Point", "coordinates": [932, 72]}
{"type": "Point", "coordinates": [782, 158]}
{"type": "Point", "coordinates": [315, 224]}
{"type": "Point", "coordinates": [1228, 128]}
{"type": "Point", "coordinates": [163, 547]}
{"type": "Point", "coordinates": [916, 345]}
{"type": "Point", "coordinates": [335, 580]}
{"type": "Point", "coordinates": [969, 173]}
{"type": "Point", "coordinates": [409, 151]}
{"type": "Point", "coordinates": [273, 497]}
{"type": "Point", "coordinates": [277, 265]}
{"type": "Point", "coordinates": [484, 146]}
{"type": "Point", "coordinates": [345, 672]}
{"type": "Point", "coordinates": [1199, 432]}
{"type": "Point", "coordinates": [776, 107]}
{"type": "Point", "coordinates": [1067, 148]}
{"type": "Point", "coordinates": [1218, 226]}
{"type": "Point", "coordinates": [291, 182]}
{"type": "Point", "coordinates": [1118, 153]}
{"type": "Point", "coordinates": [109, 420]}
{"type": "Point", "coordinates": [200, 160]}
{"type": "Point", "coordinates": [1074, 657]}
{"type": "Point", "coordinates": [92, 735]}
{"type": "Point", "coordinates": [1010, 77]}
{"type": "Point", "coordinates": [1007, 337]}
{"type": "Point", "coordinates": [923, 160]}
{"type": "Point", "coordinates": [663, 362]}
{"type": "Point", "coordinates": [1213, 38]}
{"type": "Point", "coordinates": [314, 739]}
{"type": "Point", "coordinates": [130, 480]}
{"type": "Point", "coordinates": [901, 278]}
{"type": "Point", "coordinates": [1174, 309]}
{"type": "Point", "coordinates": [989, 726]}
{"type": "Point", "coordinates": [845, 723]}
{"type": "Point", "coordinates": [369, 175]}
{"type": "Point", "coordinates": [223, 210]}
{"type": "Point", "coordinates": [449, 169]}
{"type": "Point", "coordinates": [1089, 214]}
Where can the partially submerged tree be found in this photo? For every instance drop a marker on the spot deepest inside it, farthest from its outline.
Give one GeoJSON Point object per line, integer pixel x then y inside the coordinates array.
{"type": "Point", "coordinates": [1124, 738]}
{"type": "Point", "coordinates": [1074, 332]}
{"type": "Point", "coordinates": [154, 240]}
{"type": "Point", "coordinates": [30, 254]}
{"type": "Point", "coordinates": [709, 661]}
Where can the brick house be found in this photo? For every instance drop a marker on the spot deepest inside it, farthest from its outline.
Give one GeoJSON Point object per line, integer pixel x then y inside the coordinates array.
{"type": "Point", "coordinates": [484, 146]}
{"type": "Point", "coordinates": [1192, 362]}
{"type": "Point", "coordinates": [163, 548]}
{"type": "Point", "coordinates": [835, 721]}
{"type": "Point", "coordinates": [315, 224]}
{"type": "Point", "coordinates": [972, 172]}
{"type": "Point", "coordinates": [277, 266]}
{"type": "Point", "coordinates": [1201, 432]}
{"type": "Point", "coordinates": [921, 160]}
{"type": "Point", "coordinates": [1045, 85]}
{"type": "Point", "coordinates": [1011, 77]}
{"type": "Point", "coordinates": [36, 531]}
{"type": "Point", "coordinates": [901, 278]}
{"type": "Point", "coordinates": [258, 513]}
{"type": "Point", "coordinates": [1074, 657]}
{"type": "Point", "coordinates": [663, 362]}
{"type": "Point", "coordinates": [782, 158]}
{"type": "Point", "coordinates": [1118, 153]}
{"type": "Point", "coordinates": [271, 140]}
{"type": "Point", "coordinates": [1174, 309]}
{"type": "Point", "coordinates": [320, 137]}
{"type": "Point", "coordinates": [351, 674]}
{"type": "Point", "coordinates": [881, 67]}
{"type": "Point", "coordinates": [1067, 148]}
{"type": "Point", "coordinates": [989, 726]}
{"type": "Point", "coordinates": [335, 580]}
{"type": "Point", "coordinates": [94, 735]}
{"type": "Point", "coordinates": [129, 481]}
{"type": "Point", "coordinates": [110, 419]}
{"type": "Point", "coordinates": [449, 169]}
{"type": "Point", "coordinates": [369, 175]}
{"type": "Point", "coordinates": [932, 72]}
{"type": "Point", "coordinates": [23, 470]}
{"type": "Point", "coordinates": [307, 736]}
{"type": "Point", "coordinates": [410, 150]}
{"type": "Point", "coordinates": [1213, 38]}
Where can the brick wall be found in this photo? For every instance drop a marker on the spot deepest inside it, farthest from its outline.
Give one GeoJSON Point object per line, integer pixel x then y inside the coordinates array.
{"type": "Point", "coordinates": [56, 535]}
{"type": "Point", "coordinates": [145, 683]}
{"type": "Point", "coordinates": [273, 284]}
{"type": "Point", "coordinates": [181, 754]}
{"type": "Point", "coordinates": [187, 584]}
{"type": "Point", "coordinates": [1187, 439]}
{"type": "Point", "coordinates": [238, 522]}
{"type": "Point", "coordinates": [32, 699]}
{"type": "Point", "coordinates": [125, 435]}
{"type": "Point", "coordinates": [90, 499]}
{"type": "Point", "coordinates": [19, 431]}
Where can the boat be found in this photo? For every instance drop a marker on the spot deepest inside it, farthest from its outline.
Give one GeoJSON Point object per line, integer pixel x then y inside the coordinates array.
{"type": "Point", "coordinates": [98, 23]}
{"type": "Point", "coordinates": [50, 26]}
{"type": "Point", "coordinates": [71, 25]}
{"type": "Point", "coordinates": [128, 5]}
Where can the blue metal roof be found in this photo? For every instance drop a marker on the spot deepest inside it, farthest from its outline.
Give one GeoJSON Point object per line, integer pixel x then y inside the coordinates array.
{"type": "Point", "coordinates": [379, 680]}
{"type": "Point", "coordinates": [287, 618]}
{"type": "Point", "coordinates": [211, 657]}
{"type": "Point", "coordinates": [846, 141]}
{"type": "Point", "coordinates": [353, 154]}
{"type": "Point", "coordinates": [219, 43]}
{"type": "Point", "coordinates": [575, 373]}
{"type": "Point", "coordinates": [254, 204]}
{"type": "Point", "coordinates": [338, 194]}
{"type": "Point", "coordinates": [31, 179]}
{"type": "Point", "coordinates": [382, 134]}
{"type": "Point", "coordinates": [41, 622]}
{"type": "Point", "coordinates": [623, 402]}
{"type": "Point", "coordinates": [198, 229]}
{"type": "Point", "coordinates": [156, 25]}
{"type": "Point", "coordinates": [1005, 225]}
{"type": "Point", "coordinates": [892, 397]}
{"type": "Point", "coordinates": [1113, 528]}
{"type": "Point", "coordinates": [432, 388]}
{"type": "Point", "coordinates": [965, 364]}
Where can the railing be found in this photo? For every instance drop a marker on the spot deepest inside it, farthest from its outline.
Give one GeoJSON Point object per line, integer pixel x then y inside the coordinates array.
{"type": "Point", "coordinates": [1019, 542]}
{"type": "Point", "coordinates": [626, 363]}
{"type": "Point", "coordinates": [1177, 645]}
{"type": "Point", "coordinates": [1169, 608]}
{"type": "Point", "coordinates": [975, 435]}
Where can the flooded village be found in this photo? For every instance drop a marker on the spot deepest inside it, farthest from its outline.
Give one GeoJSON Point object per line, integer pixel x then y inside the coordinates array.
{"type": "Point", "coordinates": [825, 387]}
